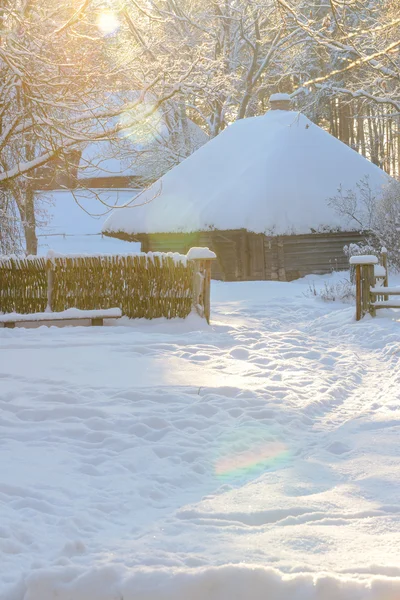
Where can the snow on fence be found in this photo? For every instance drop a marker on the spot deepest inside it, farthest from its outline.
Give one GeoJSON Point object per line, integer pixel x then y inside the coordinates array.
{"type": "Point", "coordinates": [143, 285]}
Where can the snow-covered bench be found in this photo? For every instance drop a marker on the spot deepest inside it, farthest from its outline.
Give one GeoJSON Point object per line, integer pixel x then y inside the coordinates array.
{"type": "Point", "coordinates": [94, 317]}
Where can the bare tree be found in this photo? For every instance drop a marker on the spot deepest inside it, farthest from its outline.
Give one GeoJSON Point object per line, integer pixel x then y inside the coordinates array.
{"type": "Point", "coordinates": [352, 68]}
{"type": "Point", "coordinates": [375, 215]}
{"type": "Point", "coordinates": [10, 233]}
{"type": "Point", "coordinates": [74, 72]}
{"type": "Point", "coordinates": [58, 61]}
{"type": "Point", "coordinates": [242, 49]}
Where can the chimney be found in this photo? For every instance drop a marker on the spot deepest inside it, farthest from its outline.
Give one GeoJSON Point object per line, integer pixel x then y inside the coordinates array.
{"type": "Point", "coordinates": [280, 102]}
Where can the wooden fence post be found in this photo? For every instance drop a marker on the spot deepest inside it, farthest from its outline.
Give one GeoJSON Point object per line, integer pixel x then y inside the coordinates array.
{"type": "Point", "coordinates": [365, 287]}
{"type": "Point", "coordinates": [370, 283]}
{"type": "Point", "coordinates": [385, 266]}
{"type": "Point", "coordinates": [365, 280]}
{"type": "Point", "coordinates": [202, 259]}
{"type": "Point", "coordinates": [358, 292]}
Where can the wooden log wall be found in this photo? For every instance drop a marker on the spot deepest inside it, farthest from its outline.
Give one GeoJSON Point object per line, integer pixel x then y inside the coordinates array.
{"type": "Point", "coordinates": [247, 256]}
{"type": "Point", "coordinates": [222, 243]}
{"type": "Point", "coordinates": [316, 253]}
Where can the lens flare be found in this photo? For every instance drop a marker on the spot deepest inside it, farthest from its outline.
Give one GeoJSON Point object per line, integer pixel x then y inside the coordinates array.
{"type": "Point", "coordinates": [143, 124]}
{"type": "Point", "coordinates": [246, 452]}
{"type": "Point", "coordinates": [256, 459]}
{"type": "Point", "coordinates": [108, 22]}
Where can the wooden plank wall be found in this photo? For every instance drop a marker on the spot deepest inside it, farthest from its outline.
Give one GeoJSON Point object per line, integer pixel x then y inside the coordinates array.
{"type": "Point", "coordinates": [229, 246]}
{"type": "Point", "coordinates": [316, 253]}
{"type": "Point", "coordinates": [246, 256]}
{"type": "Point", "coordinates": [227, 267]}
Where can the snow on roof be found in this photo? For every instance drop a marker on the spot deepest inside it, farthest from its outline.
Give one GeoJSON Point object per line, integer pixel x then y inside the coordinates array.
{"type": "Point", "coordinates": [146, 153]}
{"type": "Point", "coordinates": [105, 159]}
{"type": "Point", "coordinates": [74, 221]}
{"type": "Point", "coordinates": [272, 173]}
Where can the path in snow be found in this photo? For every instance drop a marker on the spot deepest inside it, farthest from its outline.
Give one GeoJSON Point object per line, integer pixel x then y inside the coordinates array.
{"type": "Point", "coordinates": [136, 457]}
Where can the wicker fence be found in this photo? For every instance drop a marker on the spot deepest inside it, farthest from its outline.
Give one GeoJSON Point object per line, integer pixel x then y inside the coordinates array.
{"type": "Point", "coordinates": [143, 286]}
{"type": "Point", "coordinates": [23, 285]}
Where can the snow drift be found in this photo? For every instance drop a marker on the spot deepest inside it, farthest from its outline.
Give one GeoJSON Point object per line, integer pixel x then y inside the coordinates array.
{"type": "Point", "coordinates": [229, 582]}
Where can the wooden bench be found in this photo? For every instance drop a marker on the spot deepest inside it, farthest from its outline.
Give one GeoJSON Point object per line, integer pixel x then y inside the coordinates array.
{"type": "Point", "coordinates": [96, 317]}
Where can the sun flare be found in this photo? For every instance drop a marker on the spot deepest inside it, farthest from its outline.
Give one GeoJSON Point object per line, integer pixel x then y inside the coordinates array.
{"type": "Point", "coordinates": [143, 124]}
{"type": "Point", "coordinates": [108, 21]}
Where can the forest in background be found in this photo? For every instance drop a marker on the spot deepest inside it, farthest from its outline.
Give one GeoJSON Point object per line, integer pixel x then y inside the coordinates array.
{"type": "Point", "coordinates": [81, 71]}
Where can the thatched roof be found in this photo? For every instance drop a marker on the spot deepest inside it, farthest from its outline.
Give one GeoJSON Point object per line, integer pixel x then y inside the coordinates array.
{"type": "Point", "coordinates": [272, 173]}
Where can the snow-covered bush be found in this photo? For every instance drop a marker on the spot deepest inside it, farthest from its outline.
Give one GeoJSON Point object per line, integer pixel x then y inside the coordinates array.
{"type": "Point", "coordinates": [358, 250]}
{"type": "Point", "coordinates": [377, 216]}
{"type": "Point", "coordinates": [358, 206]}
{"type": "Point", "coordinates": [386, 223]}
{"type": "Point", "coordinates": [340, 291]}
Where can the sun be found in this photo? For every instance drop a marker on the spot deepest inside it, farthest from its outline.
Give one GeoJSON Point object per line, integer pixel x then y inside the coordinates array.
{"type": "Point", "coordinates": [108, 21]}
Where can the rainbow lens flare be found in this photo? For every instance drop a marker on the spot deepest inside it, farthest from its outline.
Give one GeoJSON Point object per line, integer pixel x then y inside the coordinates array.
{"type": "Point", "coordinates": [248, 452]}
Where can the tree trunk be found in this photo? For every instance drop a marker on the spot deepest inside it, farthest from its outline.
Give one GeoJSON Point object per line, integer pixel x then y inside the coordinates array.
{"type": "Point", "coordinates": [185, 129]}
{"type": "Point", "coordinates": [244, 104]}
{"type": "Point", "coordinates": [29, 221]}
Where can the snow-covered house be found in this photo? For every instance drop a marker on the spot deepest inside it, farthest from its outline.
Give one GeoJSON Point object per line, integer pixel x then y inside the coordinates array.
{"type": "Point", "coordinates": [70, 221]}
{"type": "Point", "coordinates": [139, 157]}
{"type": "Point", "coordinates": [257, 194]}
{"type": "Point", "coordinates": [76, 196]}
{"type": "Point", "coordinates": [134, 159]}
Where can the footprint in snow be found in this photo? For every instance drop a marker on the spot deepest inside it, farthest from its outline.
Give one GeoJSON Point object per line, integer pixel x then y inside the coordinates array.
{"type": "Point", "coordinates": [338, 448]}
{"type": "Point", "coordinates": [239, 353]}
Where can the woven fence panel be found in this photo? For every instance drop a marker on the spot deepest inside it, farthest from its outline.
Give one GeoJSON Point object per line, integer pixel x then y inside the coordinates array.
{"type": "Point", "coordinates": [142, 286]}
{"type": "Point", "coordinates": [23, 285]}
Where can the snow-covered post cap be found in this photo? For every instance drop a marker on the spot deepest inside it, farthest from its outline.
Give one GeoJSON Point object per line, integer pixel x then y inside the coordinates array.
{"type": "Point", "coordinates": [280, 101]}
{"type": "Point", "coordinates": [200, 254]}
{"type": "Point", "coordinates": [368, 259]}
{"type": "Point", "coordinates": [278, 96]}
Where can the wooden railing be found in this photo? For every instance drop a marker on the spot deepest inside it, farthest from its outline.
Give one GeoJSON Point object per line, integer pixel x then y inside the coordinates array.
{"type": "Point", "coordinates": [372, 284]}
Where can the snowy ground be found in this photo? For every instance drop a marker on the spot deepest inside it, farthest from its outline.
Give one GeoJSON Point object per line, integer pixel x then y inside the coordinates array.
{"type": "Point", "coordinates": [256, 458]}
